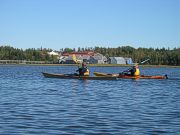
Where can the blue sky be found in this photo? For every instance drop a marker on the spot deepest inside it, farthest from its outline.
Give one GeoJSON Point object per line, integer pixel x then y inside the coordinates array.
{"type": "Point", "coordinates": [58, 24]}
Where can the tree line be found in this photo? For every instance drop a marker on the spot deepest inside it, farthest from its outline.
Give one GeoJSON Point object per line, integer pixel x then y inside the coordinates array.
{"type": "Point", "coordinates": [31, 54]}
{"type": "Point", "coordinates": [157, 56]}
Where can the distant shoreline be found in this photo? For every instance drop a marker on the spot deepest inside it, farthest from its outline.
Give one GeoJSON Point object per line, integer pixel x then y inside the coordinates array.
{"type": "Point", "coordinates": [92, 65]}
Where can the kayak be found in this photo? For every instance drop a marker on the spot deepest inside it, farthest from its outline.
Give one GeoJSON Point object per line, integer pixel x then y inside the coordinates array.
{"type": "Point", "coordinates": [105, 74]}
{"type": "Point", "coordinates": [130, 77]}
{"type": "Point", "coordinates": [72, 76]}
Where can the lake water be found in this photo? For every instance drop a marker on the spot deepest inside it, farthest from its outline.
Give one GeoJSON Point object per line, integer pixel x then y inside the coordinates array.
{"type": "Point", "coordinates": [31, 104]}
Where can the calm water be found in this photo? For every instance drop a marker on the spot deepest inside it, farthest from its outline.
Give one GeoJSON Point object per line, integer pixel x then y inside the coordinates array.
{"type": "Point", "coordinates": [31, 104]}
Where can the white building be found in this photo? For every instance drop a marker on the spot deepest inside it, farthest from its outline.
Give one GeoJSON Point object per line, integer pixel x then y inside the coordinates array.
{"type": "Point", "coordinates": [53, 53]}
{"type": "Point", "coordinates": [117, 60]}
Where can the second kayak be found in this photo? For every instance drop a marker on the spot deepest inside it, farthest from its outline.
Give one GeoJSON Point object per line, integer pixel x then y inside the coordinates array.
{"type": "Point", "coordinates": [130, 77]}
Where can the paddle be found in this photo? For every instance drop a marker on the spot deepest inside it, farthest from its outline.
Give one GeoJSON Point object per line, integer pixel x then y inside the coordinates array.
{"type": "Point", "coordinates": [77, 74]}
{"type": "Point", "coordinates": [142, 62]}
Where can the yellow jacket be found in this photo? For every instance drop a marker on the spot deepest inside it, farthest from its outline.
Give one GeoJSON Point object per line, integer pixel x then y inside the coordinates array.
{"type": "Point", "coordinates": [137, 72]}
{"type": "Point", "coordinates": [87, 72]}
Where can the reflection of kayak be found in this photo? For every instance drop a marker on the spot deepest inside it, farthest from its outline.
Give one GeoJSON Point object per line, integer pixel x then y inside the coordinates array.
{"type": "Point", "coordinates": [72, 76]}
{"type": "Point", "coordinates": [130, 77]}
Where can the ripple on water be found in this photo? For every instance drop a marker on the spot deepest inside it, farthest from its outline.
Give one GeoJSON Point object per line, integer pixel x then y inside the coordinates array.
{"type": "Point", "coordinates": [32, 104]}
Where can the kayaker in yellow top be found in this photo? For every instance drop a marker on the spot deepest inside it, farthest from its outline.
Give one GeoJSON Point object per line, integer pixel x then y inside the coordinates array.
{"type": "Point", "coordinates": [83, 70]}
{"type": "Point", "coordinates": [137, 70]}
{"type": "Point", "coordinates": [134, 71]}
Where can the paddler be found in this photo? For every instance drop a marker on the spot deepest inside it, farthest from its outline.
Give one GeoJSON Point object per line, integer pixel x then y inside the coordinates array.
{"type": "Point", "coordinates": [134, 71]}
{"type": "Point", "coordinates": [83, 70]}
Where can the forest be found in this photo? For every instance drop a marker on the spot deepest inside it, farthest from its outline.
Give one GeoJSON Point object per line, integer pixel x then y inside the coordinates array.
{"type": "Point", "coordinates": [31, 54]}
{"type": "Point", "coordinates": [157, 56]}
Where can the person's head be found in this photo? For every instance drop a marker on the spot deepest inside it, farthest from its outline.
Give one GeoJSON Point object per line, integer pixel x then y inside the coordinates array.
{"type": "Point", "coordinates": [83, 64]}
{"type": "Point", "coordinates": [136, 66]}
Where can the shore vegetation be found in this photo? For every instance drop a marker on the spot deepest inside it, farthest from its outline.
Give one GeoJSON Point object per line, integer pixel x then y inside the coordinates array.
{"type": "Point", "coordinates": [157, 56]}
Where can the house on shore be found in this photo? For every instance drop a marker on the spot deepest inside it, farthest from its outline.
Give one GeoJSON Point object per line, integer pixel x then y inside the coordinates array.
{"type": "Point", "coordinates": [53, 53]}
{"type": "Point", "coordinates": [92, 58]}
{"type": "Point", "coordinates": [71, 59]}
{"type": "Point", "coordinates": [117, 60]}
{"type": "Point", "coordinates": [120, 60]}
{"type": "Point", "coordinates": [129, 61]}
{"type": "Point", "coordinates": [78, 57]}
{"type": "Point", "coordinates": [75, 57]}
{"type": "Point", "coordinates": [97, 59]}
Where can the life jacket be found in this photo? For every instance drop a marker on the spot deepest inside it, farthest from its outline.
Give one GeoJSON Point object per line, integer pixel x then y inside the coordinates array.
{"type": "Point", "coordinates": [87, 72]}
{"type": "Point", "coordinates": [137, 72]}
{"type": "Point", "coordinates": [83, 71]}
